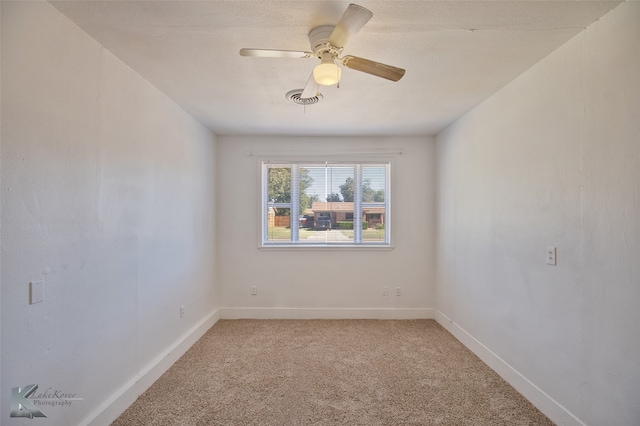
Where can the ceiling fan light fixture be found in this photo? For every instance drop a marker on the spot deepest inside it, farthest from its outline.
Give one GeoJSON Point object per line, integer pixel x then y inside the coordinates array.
{"type": "Point", "coordinates": [327, 73]}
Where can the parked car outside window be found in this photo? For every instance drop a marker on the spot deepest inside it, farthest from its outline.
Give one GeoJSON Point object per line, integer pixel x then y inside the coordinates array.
{"type": "Point", "coordinates": [323, 221]}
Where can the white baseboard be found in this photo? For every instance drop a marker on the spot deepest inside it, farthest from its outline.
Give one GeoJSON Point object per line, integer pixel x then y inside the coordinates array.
{"type": "Point", "coordinates": [551, 408]}
{"type": "Point", "coordinates": [326, 313]}
{"type": "Point", "coordinates": [127, 394]}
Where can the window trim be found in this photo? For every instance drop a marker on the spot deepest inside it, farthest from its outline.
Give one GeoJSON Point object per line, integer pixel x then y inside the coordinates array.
{"type": "Point", "coordinates": [362, 160]}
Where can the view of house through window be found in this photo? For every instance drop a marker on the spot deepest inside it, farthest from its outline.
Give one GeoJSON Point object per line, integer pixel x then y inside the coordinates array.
{"type": "Point", "coordinates": [325, 203]}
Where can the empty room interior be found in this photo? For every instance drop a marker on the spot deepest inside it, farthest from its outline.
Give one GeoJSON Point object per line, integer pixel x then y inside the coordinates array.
{"type": "Point", "coordinates": [172, 167]}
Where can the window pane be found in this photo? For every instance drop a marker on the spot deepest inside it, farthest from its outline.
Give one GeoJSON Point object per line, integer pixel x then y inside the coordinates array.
{"type": "Point", "coordinates": [373, 224]}
{"type": "Point", "coordinates": [279, 185]}
{"type": "Point", "coordinates": [278, 224]}
{"type": "Point", "coordinates": [327, 199]}
{"type": "Point", "coordinates": [306, 179]}
{"type": "Point", "coordinates": [373, 203]}
{"type": "Point", "coordinates": [373, 184]}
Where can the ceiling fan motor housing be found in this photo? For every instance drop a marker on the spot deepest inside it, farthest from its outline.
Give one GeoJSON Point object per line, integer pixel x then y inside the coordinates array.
{"type": "Point", "coordinates": [319, 39]}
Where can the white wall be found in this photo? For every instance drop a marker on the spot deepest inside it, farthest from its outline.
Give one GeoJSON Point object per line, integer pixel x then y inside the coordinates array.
{"type": "Point", "coordinates": [552, 159]}
{"type": "Point", "coordinates": [317, 283]}
{"type": "Point", "coordinates": [108, 195]}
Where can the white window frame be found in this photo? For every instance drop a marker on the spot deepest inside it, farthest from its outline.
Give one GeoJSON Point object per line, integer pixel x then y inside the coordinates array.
{"type": "Point", "coordinates": [357, 211]}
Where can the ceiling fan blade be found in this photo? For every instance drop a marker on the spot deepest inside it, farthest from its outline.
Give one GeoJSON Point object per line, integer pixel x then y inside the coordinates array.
{"type": "Point", "coordinates": [374, 68]}
{"type": "Point", "coordinates": [352, 20]}
{"type": "Point", "coordinates": [311, 89]}
{"type": "Point", "coordinates": [270, 53]}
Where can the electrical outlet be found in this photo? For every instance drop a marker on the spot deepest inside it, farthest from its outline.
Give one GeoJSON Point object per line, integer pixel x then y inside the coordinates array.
{"type": "Point", "coordinates": [182, 311]}
{"type": "Point", "coordinates": [398, 292]}
{"type": "Point", "coordinates": [385, 291]}
{"type": "Point", "coordinates": [551, 256]}
{"type": "Point", "coordinates": [254, 290]}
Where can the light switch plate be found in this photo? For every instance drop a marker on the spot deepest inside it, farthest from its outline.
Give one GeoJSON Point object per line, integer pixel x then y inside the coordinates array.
{"type": "Point", "coordinates": [36, 291]}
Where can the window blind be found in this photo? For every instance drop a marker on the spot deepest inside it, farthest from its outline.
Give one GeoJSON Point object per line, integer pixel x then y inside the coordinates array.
{"type": "Point", "coordinates": [325, 203]}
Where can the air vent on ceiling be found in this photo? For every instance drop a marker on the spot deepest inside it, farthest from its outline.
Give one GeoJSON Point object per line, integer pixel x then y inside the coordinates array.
{"type": "Point", "coordinates": [294, 96]}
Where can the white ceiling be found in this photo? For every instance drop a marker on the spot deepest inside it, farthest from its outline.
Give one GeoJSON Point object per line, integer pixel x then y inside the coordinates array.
{"type": "Point", "coordinates": [456, 54]}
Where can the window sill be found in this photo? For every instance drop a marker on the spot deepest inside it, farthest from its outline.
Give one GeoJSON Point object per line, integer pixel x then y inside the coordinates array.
{"type": "Point", "coordinates": [325, 247]}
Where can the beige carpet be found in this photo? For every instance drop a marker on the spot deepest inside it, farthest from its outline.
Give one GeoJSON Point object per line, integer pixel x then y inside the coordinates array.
{"type": "Point", "coordinates": [318, 372]}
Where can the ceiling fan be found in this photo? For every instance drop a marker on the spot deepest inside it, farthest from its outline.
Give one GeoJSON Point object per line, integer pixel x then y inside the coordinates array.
{"type": "Point", "coordinates": [327, 43]}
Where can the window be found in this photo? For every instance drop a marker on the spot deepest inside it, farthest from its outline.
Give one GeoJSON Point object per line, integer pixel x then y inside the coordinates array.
{"type": "Point", "coordinates": [325, 204]}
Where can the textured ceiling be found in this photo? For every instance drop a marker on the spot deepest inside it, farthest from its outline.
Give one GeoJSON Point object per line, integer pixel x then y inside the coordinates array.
{"type": "Point", "coordinates": [456, 54]}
